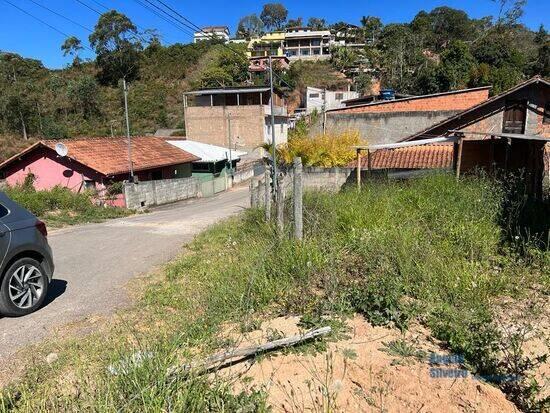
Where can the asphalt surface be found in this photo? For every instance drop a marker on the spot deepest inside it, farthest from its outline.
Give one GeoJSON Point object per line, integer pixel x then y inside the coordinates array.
{"type": "Point", "coordinates": [95, 262]}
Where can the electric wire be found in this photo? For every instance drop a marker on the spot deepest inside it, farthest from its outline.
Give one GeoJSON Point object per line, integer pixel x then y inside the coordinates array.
{"type": "Point", "coordinates": [61, 15]}
{"type": "Point", "coordinates": [43, 22]}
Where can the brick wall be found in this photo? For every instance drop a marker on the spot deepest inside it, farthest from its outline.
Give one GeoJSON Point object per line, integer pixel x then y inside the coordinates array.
{"type": "Point", "coordinates": [160, 192]}
{"type": "Point", "coordinates": [451, 101]}
{"type": "Point", "coordinates": [208, 124]}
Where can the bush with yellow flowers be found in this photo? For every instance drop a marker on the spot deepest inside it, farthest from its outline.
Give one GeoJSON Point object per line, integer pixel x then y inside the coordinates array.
{"type": "Point", "coordinates": [326, 151]}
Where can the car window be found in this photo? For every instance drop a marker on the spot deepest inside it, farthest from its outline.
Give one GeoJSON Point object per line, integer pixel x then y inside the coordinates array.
{"type": "Point", "coordinates": [3, 211]}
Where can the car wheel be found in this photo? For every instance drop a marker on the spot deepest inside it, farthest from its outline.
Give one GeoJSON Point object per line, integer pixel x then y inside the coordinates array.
{"type": "Point", "coordinates": [24, 288]}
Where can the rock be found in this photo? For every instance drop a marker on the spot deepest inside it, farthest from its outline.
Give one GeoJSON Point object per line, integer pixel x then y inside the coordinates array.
{"type": "Point", "coordinates": [52, 358]}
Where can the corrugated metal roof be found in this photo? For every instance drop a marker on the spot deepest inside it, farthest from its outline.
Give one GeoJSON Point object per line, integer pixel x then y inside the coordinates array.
{"type": "Point", "coordinates": [224, 91]}
{"type": "Point", "coordinates": [205, 151]}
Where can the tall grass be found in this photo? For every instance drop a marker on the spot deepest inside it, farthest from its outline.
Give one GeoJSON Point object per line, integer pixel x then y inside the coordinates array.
{"type": "Point", "coordinates": [429, 250]}
{"type": "Point", "coordinates": [61, 206]}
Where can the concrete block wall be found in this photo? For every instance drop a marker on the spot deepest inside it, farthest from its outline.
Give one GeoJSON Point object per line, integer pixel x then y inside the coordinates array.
{"type": "Point", "coordinates": [392, 121]}
{"type": "Point", "coordinates": [386, 127]}
{"type": "Point", "coordinates": [150, 193]}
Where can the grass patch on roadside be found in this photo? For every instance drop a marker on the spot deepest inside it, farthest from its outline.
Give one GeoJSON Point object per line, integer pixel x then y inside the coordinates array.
{"type": "Point", "coordinates": [60, 206]}
{"type": "Point", "coordinates": [430, 250]}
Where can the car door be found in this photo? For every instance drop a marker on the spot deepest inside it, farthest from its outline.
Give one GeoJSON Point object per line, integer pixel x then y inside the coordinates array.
{"type": "Point", "coordinates": [5, 236]}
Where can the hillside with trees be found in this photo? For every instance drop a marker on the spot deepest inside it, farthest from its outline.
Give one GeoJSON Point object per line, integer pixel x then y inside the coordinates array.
{"type": "Point", "coordinates": [440, 50]}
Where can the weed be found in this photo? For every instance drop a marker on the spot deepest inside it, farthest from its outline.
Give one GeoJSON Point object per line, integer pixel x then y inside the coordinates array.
{"type": "Point", "coordinates": [401, 348]}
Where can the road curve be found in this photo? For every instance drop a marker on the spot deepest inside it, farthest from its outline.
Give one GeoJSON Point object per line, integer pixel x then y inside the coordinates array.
{"type": "Point", "coordinates": [94, 263]}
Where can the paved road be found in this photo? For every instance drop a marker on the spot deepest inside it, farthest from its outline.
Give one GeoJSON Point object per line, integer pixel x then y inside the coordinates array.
{"type": "Point", "coordinates": [95, 262]}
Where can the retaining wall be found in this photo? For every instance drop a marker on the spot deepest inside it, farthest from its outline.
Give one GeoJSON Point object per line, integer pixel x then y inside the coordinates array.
{"type": "Point", "coordinates": [149, 193]}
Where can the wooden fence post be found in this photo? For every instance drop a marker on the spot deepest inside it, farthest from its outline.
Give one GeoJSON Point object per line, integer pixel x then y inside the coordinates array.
{"type": "Point", "coordinates": [297, 200]}
{"type": "Point", "coordinates": [267, 194]}
{"type": "Point", "coordinates": [280, 200]}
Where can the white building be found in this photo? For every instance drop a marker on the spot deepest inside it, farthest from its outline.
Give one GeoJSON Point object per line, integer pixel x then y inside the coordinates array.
{"type": "Point", "coordinates": [306, 44]}
{"type": "Point", "coordinates": [316, 99]}
{"type": "Point", "coordinates": [211, 33]}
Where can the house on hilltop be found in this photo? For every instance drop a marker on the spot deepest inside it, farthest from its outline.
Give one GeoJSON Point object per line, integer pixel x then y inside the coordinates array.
{"type": "Point", "coordinates": [212, 33]}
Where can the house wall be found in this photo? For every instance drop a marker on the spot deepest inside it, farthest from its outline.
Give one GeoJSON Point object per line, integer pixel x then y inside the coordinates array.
{"type": "Point", "coordinates": [210, 125]}
{"type": "Point", "coordinates": [391, 121]}
{"type": "Point", "coordinates": [330, 100]}
{"type": "Point", "coordinates": [49, 170]}
{"type": "Point", "coordinates": [489, 117]}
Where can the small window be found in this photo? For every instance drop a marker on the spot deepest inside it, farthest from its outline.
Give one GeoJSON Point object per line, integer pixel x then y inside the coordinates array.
{"type": "Point", "coordinates": [339, 96]}
{"type": "Point", "coordinates": [89, 184]}
{"type": "Point", "coordinates": [314, 95]}
{"type": "Point", "coordinates": [546, 117]}
{"type": "Point", "coordinates": [3, 211]}
{"type": "Point", "coordinates": [156, 175]}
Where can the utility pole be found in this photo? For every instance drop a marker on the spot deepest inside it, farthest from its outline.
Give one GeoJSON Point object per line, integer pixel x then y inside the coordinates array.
{"type": "Point", "coordinates": [230, 144]}
{"type": "Point", "coordinates": [128, 129]}
{"type": "Point", "coordinates": [273, 147]}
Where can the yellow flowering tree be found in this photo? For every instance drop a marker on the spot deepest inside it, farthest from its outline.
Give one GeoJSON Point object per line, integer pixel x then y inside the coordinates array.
{"type": "Point", "coordinates": [326, 151]}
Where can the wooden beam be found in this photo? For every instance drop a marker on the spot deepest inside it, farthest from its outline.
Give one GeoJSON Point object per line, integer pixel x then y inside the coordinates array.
{"type": "Point", "coordinates": [459, 157]}
{"type": "Point", "coordinates": [358, 169]}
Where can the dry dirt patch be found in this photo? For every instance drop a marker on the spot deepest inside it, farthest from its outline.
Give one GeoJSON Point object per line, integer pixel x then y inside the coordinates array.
{"type": "Point", "coordinates": [358, 374]}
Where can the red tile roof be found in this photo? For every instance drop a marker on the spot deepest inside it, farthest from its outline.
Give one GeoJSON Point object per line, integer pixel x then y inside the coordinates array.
{"type": "Point", "coordinates": [433, 156]}
{"type": "Point", "coordinates": [109, 156]}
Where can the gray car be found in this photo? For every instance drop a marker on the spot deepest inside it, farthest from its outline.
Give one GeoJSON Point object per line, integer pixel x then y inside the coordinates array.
{"type": "Point", "coordinates": [26, 262]}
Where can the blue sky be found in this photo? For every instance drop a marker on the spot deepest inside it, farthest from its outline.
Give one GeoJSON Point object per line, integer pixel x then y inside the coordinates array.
{"type": "Point", "coordinates": [22, 34]}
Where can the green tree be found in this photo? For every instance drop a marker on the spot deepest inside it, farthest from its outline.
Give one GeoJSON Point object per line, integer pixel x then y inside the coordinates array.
{"type": "Point", "coordinates": [372, 27]}
{"type": "Point", "coordinates": [317, 23]}
{"type": "Point", "coordinates": [83, 93]}
{"type": "Point", "coordinates": [117, 44]}
{"type": "Point", "coordinates": [274, 15]}
{"type": "Point", "coordinates": [299, 22]}
{"type": "Point", "coordinates": [456, 64]}
{"type": "Point", "coordinates": [249, 26]}
{"type": "Point", "coordinates": [450, 24]}
{"type": "Point", "coordinates": [343, 58]}
{"type": "Point", "coordinates": [72, 46]}
{"type": "Point", "coordinates": [401, 56]}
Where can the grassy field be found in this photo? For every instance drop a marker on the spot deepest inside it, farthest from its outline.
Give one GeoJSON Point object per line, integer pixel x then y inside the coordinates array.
{"type": "Point", "coordinates": [60, 207]}
{"type": "Point", "coordinates": [430, 250]}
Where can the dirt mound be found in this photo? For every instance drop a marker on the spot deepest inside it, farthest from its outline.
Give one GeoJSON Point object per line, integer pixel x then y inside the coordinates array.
{"type": "Point", "coordinates": [372, 369]}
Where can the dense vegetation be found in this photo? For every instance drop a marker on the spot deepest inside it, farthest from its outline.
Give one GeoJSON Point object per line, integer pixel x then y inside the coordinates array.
{"type": "Point", "coordinates": [437, 51]}
{"type": "Point", "coordinates": [427, 251]}
{"type": "Point", "coordinates": [60, 206]}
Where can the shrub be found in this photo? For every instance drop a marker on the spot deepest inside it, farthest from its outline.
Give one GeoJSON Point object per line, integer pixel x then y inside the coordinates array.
{"type": "Point", "coordinates": [328, 150]}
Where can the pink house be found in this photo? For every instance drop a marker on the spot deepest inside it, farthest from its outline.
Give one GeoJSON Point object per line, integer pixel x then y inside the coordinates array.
{"type": "Point", "coordinates": [96, 163]}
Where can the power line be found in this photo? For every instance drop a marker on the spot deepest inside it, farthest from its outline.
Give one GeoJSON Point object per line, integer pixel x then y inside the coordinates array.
{"type": "Point", "coordinates": [61, 15]}
{"type": "Point", "coordinates": [42, 21]}
{"type": "Point", "coordinates": [88, 7]}
{"type": "Point", "coordinates": [175, 24]}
